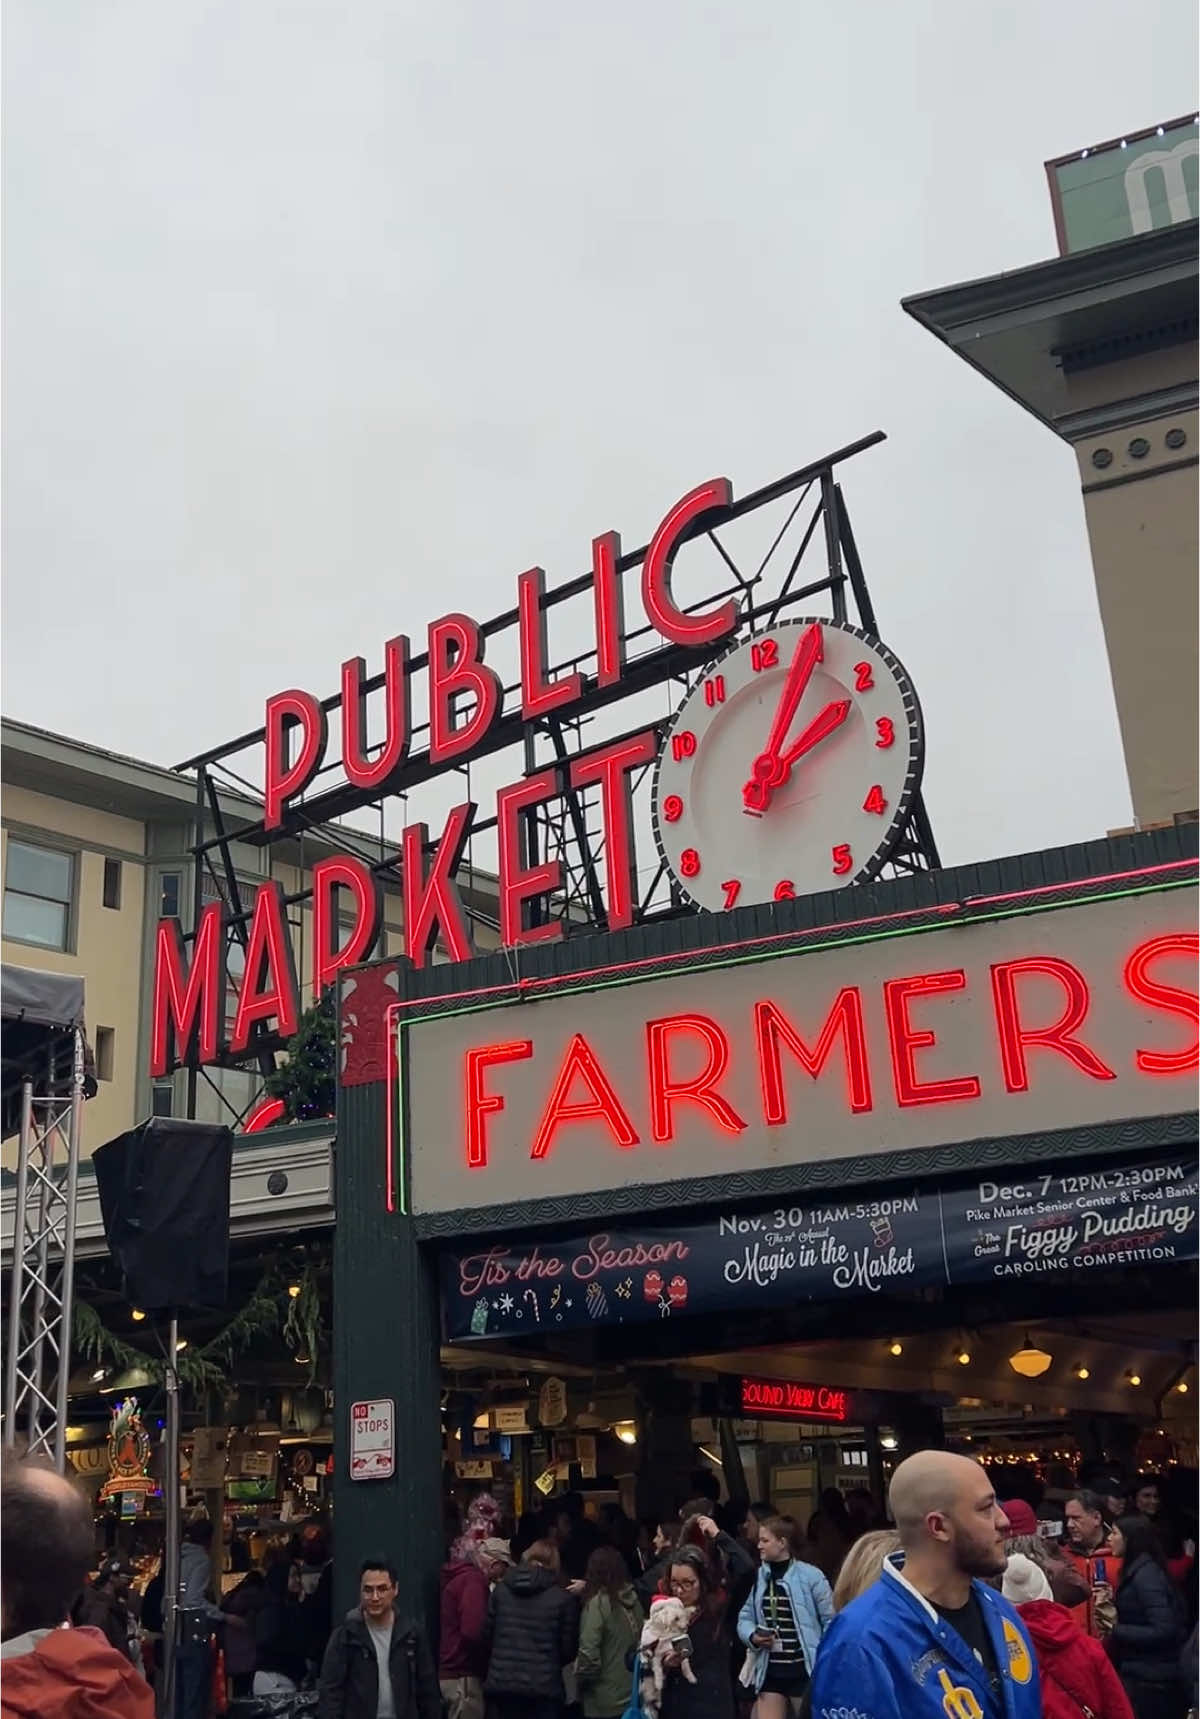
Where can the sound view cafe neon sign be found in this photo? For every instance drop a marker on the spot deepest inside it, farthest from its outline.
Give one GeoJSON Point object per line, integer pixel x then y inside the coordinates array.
{"type": "Point", "coordinates": [789, 1400]}
{"type": "Point", "coordinates": [465, 699]}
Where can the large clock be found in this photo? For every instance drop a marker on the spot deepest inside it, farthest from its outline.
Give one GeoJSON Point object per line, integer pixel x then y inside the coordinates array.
{"type": "Point", "coordinates": [789, 768]}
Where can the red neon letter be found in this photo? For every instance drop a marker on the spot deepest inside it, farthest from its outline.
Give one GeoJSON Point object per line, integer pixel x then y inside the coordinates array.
{"type": "Point", "coordinates": [519, 881]}
{"type": "Point", "coordinates": [603, 1104]}
{"type": "Point", "coordinates": [373, 773]}
{"type": "Point", "coordinates": [269, 989]}
{"type": "Point", "coordinates": [539, 696]}
{"type": "Point", "coordinates": [456, 666]}
{"type": "Point", "coordinates": [288, 710]}
{"type": "Point", "coordinates": [846, 1017]}
{"type": "Point", "coordinates": [1014, 1037]}
{"type": "Point", "coordinates": [434, 900]}
{"type": "Point", "coordinates": [610, 766]}
{"type": "Point", "coordinates": [187, 1012]}
{"type": "Point", "coordinates": [700, 1088]}
{"type": "Point", "coordinates": [906, 1040]}
{"type": "Point", "coordinates": [328, 876]}
{"type": "Point", "coordinates": [661, 609]}
{"type": "Point", "coordinates": [481, 1103]}
{"type": "Point", "coordinates": [1159, 996]}
{"type": "Point", "coordinates": [609, 596]}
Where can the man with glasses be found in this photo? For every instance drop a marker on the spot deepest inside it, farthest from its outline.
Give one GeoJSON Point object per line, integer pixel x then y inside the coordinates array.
{"type": "Point", "coordinates": [377, 1667]}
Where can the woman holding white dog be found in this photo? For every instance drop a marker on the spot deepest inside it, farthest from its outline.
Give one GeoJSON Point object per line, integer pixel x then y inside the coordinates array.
{"type": "Point", "coordinates": [787, 1612]}
{"type": "Point", "coordinates": [702, 1572]}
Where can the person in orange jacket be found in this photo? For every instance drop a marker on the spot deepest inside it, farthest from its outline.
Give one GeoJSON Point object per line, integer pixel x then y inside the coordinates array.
{"type": "Point", "coordinates": [50, 1669]}
{"type": "Point", "coordinates": [1089, 1550]}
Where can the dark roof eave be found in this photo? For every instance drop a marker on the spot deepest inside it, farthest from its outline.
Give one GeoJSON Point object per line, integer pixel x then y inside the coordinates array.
{"type": "Point", "coordinates": [1168, 252]}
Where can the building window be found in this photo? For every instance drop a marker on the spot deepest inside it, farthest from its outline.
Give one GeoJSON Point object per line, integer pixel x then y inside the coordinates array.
{"type": "Point", "coordinates": [112, 883]}
{"type": "Point", "coordinates": [168, 903]}
{"type": "Point", "coordinates": [37, 895]}
{"type": "Point", "coordinates": [105, 1046]}
{"type": "Point", "coordinates": [162, 1099]}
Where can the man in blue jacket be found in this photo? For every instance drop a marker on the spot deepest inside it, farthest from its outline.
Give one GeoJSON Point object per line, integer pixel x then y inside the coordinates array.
{"type": "Point", "coordinates": [931, 1640]}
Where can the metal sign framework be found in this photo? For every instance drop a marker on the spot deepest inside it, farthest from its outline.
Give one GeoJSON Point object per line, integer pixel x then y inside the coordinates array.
{"type": "Point", "coordinates": [37, 1362]}
{"type": "Point", "coordinates": [815, 517]}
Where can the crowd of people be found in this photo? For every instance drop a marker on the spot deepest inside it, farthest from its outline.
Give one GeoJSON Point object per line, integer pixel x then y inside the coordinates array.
{"type": "Point", "coordinates": [969, 1607]}
{"type": "Point", "coordinates": [963, 1606]}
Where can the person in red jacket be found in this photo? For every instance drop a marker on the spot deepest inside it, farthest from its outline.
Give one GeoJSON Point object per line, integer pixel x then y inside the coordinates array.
{"type": "Point", "coordinates": [462, 1649]}
{"type": "Point", "coordinates": [1078, 1680]}
{"type": "Point", "coordinates": [51, 1670]}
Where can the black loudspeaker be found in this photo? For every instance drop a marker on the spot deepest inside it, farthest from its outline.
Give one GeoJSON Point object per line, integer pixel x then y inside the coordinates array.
{"type": "Point", "coordinates": [164, 1193]}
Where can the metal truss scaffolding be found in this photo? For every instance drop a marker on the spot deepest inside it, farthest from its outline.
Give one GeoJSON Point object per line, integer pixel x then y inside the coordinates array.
{"type": "Point", "coordinates": [41, 1292]}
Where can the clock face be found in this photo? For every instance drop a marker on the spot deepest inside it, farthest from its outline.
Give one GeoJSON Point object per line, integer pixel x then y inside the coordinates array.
{"type": "Point", "coordinates": [789, 768]}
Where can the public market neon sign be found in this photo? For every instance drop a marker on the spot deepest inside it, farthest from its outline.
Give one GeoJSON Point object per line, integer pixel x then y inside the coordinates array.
{"type": "Point", "coordinates": [465, 699]}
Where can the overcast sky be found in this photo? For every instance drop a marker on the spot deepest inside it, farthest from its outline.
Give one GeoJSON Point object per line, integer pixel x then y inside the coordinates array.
{"type": "Point", "coordinates": [323, 318]}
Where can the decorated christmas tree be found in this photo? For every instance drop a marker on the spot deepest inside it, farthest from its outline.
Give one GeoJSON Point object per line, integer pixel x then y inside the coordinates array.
{"type": "Point", "coordinates": [307, 1081]}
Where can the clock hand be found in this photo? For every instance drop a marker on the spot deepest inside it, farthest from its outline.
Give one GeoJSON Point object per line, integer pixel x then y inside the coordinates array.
{"type": "Point", "coordinates": [809, 652]}
{"type": "Point", "coordinates": [756, 795]}
{"type": "Point", "coordinates": [820, 728]}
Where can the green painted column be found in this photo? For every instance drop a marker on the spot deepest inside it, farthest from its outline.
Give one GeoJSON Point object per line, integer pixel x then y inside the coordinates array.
{"type": "Point", "coordinates": [385, 1344]}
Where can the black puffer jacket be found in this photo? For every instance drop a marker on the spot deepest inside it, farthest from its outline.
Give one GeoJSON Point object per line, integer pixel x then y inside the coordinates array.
{"type": "Point", "coordinates": [1150, 1628]}
{"type": "Point", "coordinates": [533, 1627]}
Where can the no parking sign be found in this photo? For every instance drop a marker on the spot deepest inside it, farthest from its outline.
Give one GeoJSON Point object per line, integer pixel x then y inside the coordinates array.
{"type": "Point", "coordinates": [373, 1439]}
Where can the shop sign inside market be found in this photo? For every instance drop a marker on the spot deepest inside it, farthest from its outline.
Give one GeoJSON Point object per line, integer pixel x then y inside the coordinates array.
{"type": "Point", "coordinates": [1010, 1023]}
{"type": "Point", "coordinates": [789, 1400]}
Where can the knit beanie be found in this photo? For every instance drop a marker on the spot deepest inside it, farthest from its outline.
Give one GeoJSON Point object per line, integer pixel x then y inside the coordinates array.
{"type": "Point", "coordinates": [1024, 1580]}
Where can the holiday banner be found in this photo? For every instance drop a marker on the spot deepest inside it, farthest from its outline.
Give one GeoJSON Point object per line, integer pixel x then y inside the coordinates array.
{"type": "Point", "coordinates": [1008, 1227]}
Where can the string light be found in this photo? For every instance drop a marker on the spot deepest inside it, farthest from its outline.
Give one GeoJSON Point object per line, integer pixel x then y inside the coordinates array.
{"type": "Point", "coordinates": [1182, 1387]}
{"type": "Point", "coordinates": [136, 1314]}
{"type": "Point", "coordinates": [895, 1347]}
{"type": "Point", "coordinates": [963, 1357]}
{"type": "Point", "coordinates": [1082, 1373]}
{"type": "Point", "coordinates": [1134, 1379]}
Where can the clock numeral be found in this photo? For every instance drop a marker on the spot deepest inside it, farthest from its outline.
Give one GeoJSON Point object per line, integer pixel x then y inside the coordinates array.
{"type": "Point", "coordinates": [764, 654]}
{"type": "Point", "coordinates": [785, 890]}
{"type": "Point", "coordinates": [864, 680]}
{"type": "Point", "coordinates": [843, 859]}
{"type": "Point", "coordinates": [672, 808]}
{"type": "Point", "coordinates": [714, 690]}
{"type": "Point", "coordinates": [875, 801]}
{"type": "Point", "coordinates": [689, 863]}
{"type": "Point", "coordinates": [733, 888]}
{"type": "Point", "coordinates": [683, 745]}
{"type": "Point", "coordinates": [885, 729]}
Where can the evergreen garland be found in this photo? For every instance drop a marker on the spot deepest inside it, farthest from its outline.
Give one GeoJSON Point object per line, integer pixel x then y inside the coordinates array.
{"type": "Point", "coordinates": [270, 1308]}
{"type": "Point", "coordinates": [307, 1081]}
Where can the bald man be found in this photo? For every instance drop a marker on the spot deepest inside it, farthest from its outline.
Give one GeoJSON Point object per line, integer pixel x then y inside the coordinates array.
{"type": "Point", "coordinates": [51, 1671]}
{"type": "Point", "coordinates": [931, 1640]}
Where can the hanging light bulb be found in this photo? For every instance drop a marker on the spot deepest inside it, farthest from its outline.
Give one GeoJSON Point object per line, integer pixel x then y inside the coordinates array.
{"type": "Point", "coordinates": [1181, 1387]}
{"type": "Point", "coordinates": [895, 1347]}
{"type": "Point", "coordinates": [1134, 1379]}
{"type": "Point", "coordinates": [1030, 1361]}
{"type": "Point", "coordinates": [963, 1357]}
{"type": "Point", "coordinates": [1082, 1373]}
{"type": "Point", "coordinates": [136, 1314]}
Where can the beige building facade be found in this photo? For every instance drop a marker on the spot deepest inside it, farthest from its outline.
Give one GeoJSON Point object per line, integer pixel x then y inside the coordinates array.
{"type": "Point", "coordinates": [1100, 345]}
{"type": "Point", "coordinates": [94, 849]}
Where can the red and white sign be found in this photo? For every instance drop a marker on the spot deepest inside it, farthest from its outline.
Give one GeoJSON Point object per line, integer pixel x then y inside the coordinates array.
{"type": "Point", "coordinates": [373, 1439]}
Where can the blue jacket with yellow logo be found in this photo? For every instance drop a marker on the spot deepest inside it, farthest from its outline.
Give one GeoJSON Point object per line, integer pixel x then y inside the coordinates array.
{"type": "Point", "coordinates": [890, 1655]}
